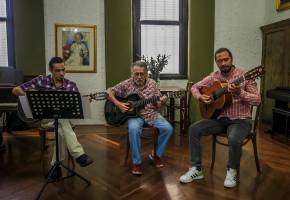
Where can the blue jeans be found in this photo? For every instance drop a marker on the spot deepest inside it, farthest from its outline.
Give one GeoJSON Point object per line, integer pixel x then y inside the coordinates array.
{"type": "Point", "coordinates": [237, 131]}
{"type": "Point", "coordinates": [135, 126]}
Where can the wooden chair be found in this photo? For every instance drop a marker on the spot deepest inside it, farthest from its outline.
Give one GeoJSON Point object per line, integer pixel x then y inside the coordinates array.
{"type": "Point", "coordinates": [252, 136]}
{"type": "Point", "coordinates": [42, 135]}
{"type": "Point", "coordinates": [154, 135]}
{"type": "Point", "coordinates": [188, 103]}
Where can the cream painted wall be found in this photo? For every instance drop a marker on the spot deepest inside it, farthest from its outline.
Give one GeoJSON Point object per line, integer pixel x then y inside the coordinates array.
{"type": "Point", "coordinates": [80, 12]}
{"type": "Point", "coordinates": [237, 28]}
{"type": "Point", "coordinates": [271, 15]}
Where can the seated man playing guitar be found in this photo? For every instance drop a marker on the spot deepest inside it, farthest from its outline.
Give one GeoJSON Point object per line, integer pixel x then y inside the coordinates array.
{"type": "Point", "coordinates": [233, 119]}
{"type": "Point", "coordinates": [67, 136]}
{"type": "Point", "coordinates": [145, 88]}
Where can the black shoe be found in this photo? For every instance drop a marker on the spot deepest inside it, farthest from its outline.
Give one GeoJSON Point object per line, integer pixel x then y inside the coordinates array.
{"type": "Point", "coordinates": [57, 174]}
{"type": "Point", "coordinates": [84, 160]}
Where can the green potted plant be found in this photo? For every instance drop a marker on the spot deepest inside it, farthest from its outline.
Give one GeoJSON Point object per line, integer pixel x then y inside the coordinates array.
{"type": "Point", "coordinates": [155, 66]}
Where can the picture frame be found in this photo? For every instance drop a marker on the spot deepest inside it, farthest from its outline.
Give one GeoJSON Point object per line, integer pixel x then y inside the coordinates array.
{"type": "Point", "coordinates": [282, 5]}
{"type": "Point", "coordinates": [76, 44]}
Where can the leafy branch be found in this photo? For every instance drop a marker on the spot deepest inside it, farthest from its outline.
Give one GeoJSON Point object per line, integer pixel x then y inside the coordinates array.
{"type": "Point", "coordinates": [155, 66]}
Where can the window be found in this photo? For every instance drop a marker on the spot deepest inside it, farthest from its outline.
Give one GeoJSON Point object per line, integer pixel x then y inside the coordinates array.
{"type": "Point", "coordinates": [6, 34]}
{"type": "Point", "coordinates": [160, 27]}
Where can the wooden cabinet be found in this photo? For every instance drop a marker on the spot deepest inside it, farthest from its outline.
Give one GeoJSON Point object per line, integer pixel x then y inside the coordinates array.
{"type": "Point", "coordinates": [276, 59]}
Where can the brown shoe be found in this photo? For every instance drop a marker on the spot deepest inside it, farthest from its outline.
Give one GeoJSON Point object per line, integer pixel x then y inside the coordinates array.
{"type": "Point", "coordinates": [156, 161]}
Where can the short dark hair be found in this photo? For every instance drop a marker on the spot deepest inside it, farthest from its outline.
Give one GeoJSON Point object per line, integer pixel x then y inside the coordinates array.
{"type": "Point", "coordinates": [80, 34]}
{"type": "Point", "coordinates": [55, 60]}
{"type": "Point", "coordinates": [140, 63]}
{"type": "Point", "coordinates": [223, 49]}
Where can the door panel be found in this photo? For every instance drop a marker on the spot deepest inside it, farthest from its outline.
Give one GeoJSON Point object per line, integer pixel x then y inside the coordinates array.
{"type": "Point", "coordinates": [274, 67]}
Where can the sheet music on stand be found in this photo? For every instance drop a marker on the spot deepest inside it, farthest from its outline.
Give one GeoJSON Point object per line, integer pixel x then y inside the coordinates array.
{"type": "Point", "coordinates": [55, 104]}
{"type": "Point", "coordinates": [43, 108]}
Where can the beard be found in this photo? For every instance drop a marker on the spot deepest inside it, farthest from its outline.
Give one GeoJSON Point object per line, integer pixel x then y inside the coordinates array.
{"type": "Point", "coordinates": [139, 82]}
{"type": "Point", "coordinates": [226, 69]}
{"type": "Point", "coordinates": [59, 78]}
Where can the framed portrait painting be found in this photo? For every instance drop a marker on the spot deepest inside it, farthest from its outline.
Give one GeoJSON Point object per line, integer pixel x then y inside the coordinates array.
{"type": "Point", "coordinates": [76, 44]}
{"type": "Point", "coordinates": [282, 4]}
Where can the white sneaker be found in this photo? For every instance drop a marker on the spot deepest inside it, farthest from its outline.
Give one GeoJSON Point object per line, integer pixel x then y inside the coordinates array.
{"type": "Point", "coordinates": [231, 178]}
{"type": "Point", "coordinates": [192, 174]}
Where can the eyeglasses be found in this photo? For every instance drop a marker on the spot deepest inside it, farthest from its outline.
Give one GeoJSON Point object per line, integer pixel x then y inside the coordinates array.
{"type": "Point", "coordinates": [141, 74]}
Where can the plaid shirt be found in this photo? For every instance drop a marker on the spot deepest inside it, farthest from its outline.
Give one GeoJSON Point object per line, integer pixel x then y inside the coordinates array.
{"type": "Point", "coordinates": [150, 112]}
{"type": "Point", "coordinates": [241, 105]}
{"type": "Point", "coordinates": [45, 83]}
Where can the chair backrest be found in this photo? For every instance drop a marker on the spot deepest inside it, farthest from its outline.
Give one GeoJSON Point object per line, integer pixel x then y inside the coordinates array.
{"type": "Point", "coordinates": [255, 110]}
{"type": "Point", "coordinates": [188, 97]}
{"type": "Point", "coordinates": [255, 117]}
{"type": "Point", "coordinates": [10, 75]}
{"type": "Point", "coordinates": [188, 92]}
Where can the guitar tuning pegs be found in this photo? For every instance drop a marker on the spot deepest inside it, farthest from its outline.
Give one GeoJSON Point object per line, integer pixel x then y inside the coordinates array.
{"type": "Point", "coordinates": [90, 97]}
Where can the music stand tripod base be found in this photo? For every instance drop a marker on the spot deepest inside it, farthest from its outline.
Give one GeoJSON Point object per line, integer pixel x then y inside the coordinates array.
{"type": "Point", "coordinates": [56, 105]}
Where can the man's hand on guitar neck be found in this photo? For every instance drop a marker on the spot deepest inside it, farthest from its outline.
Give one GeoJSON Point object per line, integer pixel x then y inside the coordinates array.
{"type": "Point", "coordinates": [234, 89]}
{"type": "Point", "coordinates": [205, 99]}
{"type": "Point", "coordinates": [161, 102]}
{"type": "Point", "coordinates": [163, 99]}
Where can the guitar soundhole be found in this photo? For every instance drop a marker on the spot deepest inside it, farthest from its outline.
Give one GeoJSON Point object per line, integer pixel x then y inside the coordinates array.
{"type": "Point", "coordinates": [131, 107]}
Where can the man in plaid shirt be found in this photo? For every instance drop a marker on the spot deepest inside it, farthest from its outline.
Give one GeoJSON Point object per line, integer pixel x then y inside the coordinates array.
{"type": "Point", "coordinates": [235, 120]}
{"type": "Point", "coordinates": [145, 87]}
{"type": "Point", "coordinates": [57, 82]}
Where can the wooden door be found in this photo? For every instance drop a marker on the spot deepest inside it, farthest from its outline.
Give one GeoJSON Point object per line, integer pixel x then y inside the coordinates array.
{"type": "Point", "coordinates": [276, 48]}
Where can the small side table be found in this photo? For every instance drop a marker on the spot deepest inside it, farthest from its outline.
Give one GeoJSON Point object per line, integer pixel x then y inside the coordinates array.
{"type": "Point", "coordinates": [176, 93]}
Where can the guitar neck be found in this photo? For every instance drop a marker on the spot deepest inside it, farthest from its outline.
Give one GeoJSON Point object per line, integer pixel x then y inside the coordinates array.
{"type": "Point", "coordinates": [217, 94]}
{"type": "Point", "coordinates": [239, 80]}
{"type": "Point", "coordinates": [144, 102]}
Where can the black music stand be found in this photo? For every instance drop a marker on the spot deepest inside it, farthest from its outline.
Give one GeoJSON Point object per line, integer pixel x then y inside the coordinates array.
{"type": "Point", "coordinates": [56, 105]}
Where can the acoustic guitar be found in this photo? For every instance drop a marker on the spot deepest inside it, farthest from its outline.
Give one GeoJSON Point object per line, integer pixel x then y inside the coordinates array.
{"type": "Point", "coordinates": [114, 116]}
{"type": "Point", "coordinates": [220, 95]}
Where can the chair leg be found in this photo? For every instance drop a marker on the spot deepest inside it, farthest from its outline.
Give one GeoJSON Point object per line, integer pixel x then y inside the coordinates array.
{"type": "Point", "coordinates": [155, 141]}
{"type": "Point", "coordinates": [42, 135]}
{"type": "Point", "coordinates": [213, 152]}
{"type": "Point", "coordinates": [127, 150]}
{"type": "Point", "coordinates": [254, 142]}
{"type": "Point", "coordinates": [286, 129]}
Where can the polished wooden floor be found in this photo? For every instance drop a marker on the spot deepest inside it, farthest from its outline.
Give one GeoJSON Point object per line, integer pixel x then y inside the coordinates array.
{"type": "Point", "coordinates": [22, 169]}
